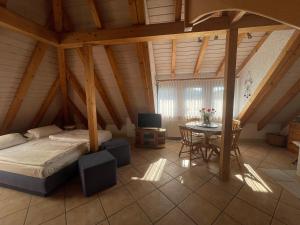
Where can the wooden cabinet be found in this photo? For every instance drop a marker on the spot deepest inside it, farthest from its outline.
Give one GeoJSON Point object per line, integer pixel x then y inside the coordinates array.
{"type": "Point", "coordinates": [150, 137]}
{"type": "Point", "coordinates": [294, 135]}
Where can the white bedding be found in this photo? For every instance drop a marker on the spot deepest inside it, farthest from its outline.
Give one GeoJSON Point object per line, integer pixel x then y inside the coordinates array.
{"type": "Point", "coordinates": [40, 158]}
{"type": "Point", "coordinates": [81, 136]}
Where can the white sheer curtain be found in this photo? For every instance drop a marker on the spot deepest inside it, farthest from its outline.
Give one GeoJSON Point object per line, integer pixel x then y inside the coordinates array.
{"type": "Point", "coordinates": [182, 99]}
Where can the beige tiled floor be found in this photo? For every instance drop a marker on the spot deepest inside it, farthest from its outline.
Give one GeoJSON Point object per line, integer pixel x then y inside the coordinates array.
{"type": "Point", "coordinates": [159, 188]}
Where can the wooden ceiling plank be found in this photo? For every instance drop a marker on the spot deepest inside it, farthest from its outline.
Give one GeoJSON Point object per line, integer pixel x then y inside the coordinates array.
{"type": "Point", "coordinates": [173, 59]}
{"type": "Point", "coordinates": [95, 13]}
{"type": "Point", "coordinates": [253, 51]}
{"type": "Point", "coordinates": [238, 16]}
{"type": "Point", "coordinates": [178, 8]}
{"type": "Point", "coordinates": [222, 64]}
{"type": "Point", "coordinates": [162, 31]}
{"type": "Point", "coordinates": [120, 82]}
{"type": "Point", "coordinates": [45, 104]}
{"type": "Point", "coordinates": [200, 57]}
{"type": "Point", "coordinates": [280, 104]}
{"type": "Point", "coordinates": [3, 3]}
{"type": "Point", "coordinates": [19, 24]}
{"type": "Point", "coordinates": [77, 112]}
{"type": "Point", "coordinates": [285, 60]}
{"type": "Point", "coordinates": [30, 71]}
{"type": "Point", "coordinates": [90, 92]}
{"type": "Point", "coordinates": [80, 92]}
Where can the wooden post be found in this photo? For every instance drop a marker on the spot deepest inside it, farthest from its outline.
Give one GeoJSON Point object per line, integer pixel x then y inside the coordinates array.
{"type": "Point", "coordinates": [228, 100]}
{"type": "Point", "coordinates": [90, 97]}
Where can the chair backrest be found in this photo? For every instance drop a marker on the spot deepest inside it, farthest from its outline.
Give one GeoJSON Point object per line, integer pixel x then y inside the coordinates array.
{"type": "Point", "coordinates": [236, 136]}
{"type": "Point", "coordinates": [186, 135]}
{"type": "Point", "coordinates": [236, 124]}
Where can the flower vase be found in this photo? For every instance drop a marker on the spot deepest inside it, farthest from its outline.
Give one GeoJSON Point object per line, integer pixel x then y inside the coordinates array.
{"type": "Point", "coordinates": [206, 119]}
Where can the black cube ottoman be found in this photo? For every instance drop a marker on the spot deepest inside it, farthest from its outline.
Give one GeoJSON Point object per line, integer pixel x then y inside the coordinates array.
{"type": "Point", "coordinates": [98, 171]}
{"type": "Point", "coordinates": [120, 149]}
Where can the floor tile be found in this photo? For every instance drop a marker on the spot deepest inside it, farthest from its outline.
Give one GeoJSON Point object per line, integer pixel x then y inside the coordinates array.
{"type": "Point", "coordinates": [115, 200]}
{"type": "Point", "coordinates": [13, 203]}
{"type": "Point", "coordinates": [261, 200]}
{"type": "Point", "coordinates": [139, 188]}
{"type": "Point", "coordinates": [287, 214]}
{"type": "Point", "coordinates": [163, 179]}
{"type": "Point", "coordinates": [131, 215]}
{"type": "Point", "coordinates": [128, 174]}
{"type": "Point", "coordinates": [176, 216]}
{"type": "Point", "coordinates": [276, 222]}
{"type": "Point", "coordinates": [293, 187]}
{"type": "Point", "coordinates": [174, 170]}
{"type": "Point", "coordinates": [175, 191]}
{"type": "Point", "coordinates": [223, 219]}
{"type": "Point", "coordinates": [88, 214]}
{"type": "Point", "coordinates": [277, 175]}
{"type": "Point", "coordinates": [17, 218]}
{"type": "Point", "coordinates": [190, 180]}
{"type": "Point", "coordinates": [246, 214]}
{"type": "Point", "coordinates": [61, 220]}
{"type": "Point", "coordinates": [290, 199]}
{"type": "Point", "coordinates": [202, 172]}
{"type": "Point", "coordinates": [200, 210]}
{"type": "Point", "coordinates": [44, 209]}
{"type": "Point", "coordinates": [214, 195]}
{"type": "Point", "coordinates": [232, 186]}
{"type": "Point", "coordinates": [155, 205]}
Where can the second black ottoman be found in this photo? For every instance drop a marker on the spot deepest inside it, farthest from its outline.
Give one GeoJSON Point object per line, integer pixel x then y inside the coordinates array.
{"type": "Point", "coordinates": [98, 171]}
{"type": "Point", "coordinates": [120, 149]}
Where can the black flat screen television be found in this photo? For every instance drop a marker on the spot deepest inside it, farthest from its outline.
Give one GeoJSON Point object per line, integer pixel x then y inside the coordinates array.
{"type": "Point", "coordinates": [149, 120]}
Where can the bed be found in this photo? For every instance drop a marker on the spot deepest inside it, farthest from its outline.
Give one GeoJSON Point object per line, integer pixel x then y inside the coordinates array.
{"type": "Point", "coordinates": [79, 135]}
{"type": "Point", "coordinates": [40, 166]}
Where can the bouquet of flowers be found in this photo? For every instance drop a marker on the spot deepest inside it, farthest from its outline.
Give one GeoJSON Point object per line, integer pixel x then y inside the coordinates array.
{"type": "Point", "coordinates": [207, 114]}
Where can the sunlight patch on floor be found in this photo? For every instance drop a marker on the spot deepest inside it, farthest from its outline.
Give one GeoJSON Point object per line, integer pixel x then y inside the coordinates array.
{"type": "Point", "coordinates": [154, 171]}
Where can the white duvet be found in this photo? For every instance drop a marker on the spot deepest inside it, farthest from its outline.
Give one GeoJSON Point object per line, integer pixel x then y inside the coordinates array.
{"type": "Point", "coordinates": [80, 136]}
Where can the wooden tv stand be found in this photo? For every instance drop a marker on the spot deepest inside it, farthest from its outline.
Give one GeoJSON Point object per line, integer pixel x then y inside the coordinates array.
{"type": "Point", "coordinates": [149, 137]}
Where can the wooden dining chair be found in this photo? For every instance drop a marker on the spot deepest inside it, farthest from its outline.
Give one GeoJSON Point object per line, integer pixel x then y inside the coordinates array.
{"type": "Point", "coordinates": [192, 144]}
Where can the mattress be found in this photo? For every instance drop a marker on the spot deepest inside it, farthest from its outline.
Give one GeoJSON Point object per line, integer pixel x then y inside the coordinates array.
{"type": "Point", "coordinates": [81, 136]}
{"type": "Point", "coordinates": [40, 158]}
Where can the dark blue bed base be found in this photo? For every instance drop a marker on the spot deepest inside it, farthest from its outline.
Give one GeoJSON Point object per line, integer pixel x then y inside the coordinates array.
{"type": "Point", "coordinates": [38, 186]}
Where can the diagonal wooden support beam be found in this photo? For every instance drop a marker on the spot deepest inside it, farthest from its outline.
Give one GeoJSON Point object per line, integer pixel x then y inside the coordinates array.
{"type": "Point", "coordinates": [77, 112]}
{"type": "Point", "coordinates": [173, 59]}
{"type": "Point", "coordinates": [30, 71]}
{"type": "Point", "coordinates": [221, 67]}
{"type": "Point", "coordinates": [282, 102]}
{"type": "Point", "coordinates": [120, 82]}
{"type": "Point", "coordinates": [285, 60]}
{"type": "Point", "coordinates": [80, 92]}
{"type": "Point", "coordinates": [253, 51]}
{"type": "Point", "coordinates": [46, 103]}
{"type": "Point", "coordinates": [237, 16]}
{"type": "Point", "coordinates": [19, 24]}
{"type": "Point", "coordinates": [94, 12]}
{"type": "Point", "coordinates": [57, 15]}
{"type": "Point", "coordinates": [200, 58]}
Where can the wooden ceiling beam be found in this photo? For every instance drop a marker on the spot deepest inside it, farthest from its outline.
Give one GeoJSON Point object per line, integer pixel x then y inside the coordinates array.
{"type": "Point", "coordinates": [77, 112]}
{"type": "Point", "coordinates": [222, 64]}
{"type": "Point", "coordinates": [80, 92]}
{"type": "Point", "coordinates": [120, 82]}
{"type": "Point", "coordinates": [164, 31]}
{"type": "Point", "coordinates": [57, 15]}
{"type": "Point", "coordinates": [178, 8]}
{"type": "Point", "coordinates": [173, 59]}
{"type": "Point", "coordinates": [237, 16]}
{"type": "Point", "coordinates": [200, 57]}
{"type": "Point", "coordinates": [45, 104]}
{"type": "Point", "coordinates": [90, 92]}
{"type": "Point", "coordinates": [253, 51]}
{"type": "Point", "coordinates": [21, 25]}
{"type": "Point", "coordinates": [95, 13]}
{"type": "Point", "coordinates": [284, 61]}
{"type": "Point", "coordinates": [3, 3]}
{"type": "Point", "coordinates": [30, 71]}
{"type": "Point", "coordinates": [103, 94]}
{"type": "Point", "coordinates": [137, 11]}
{"type": "Point", "coordinates": [280, 104]}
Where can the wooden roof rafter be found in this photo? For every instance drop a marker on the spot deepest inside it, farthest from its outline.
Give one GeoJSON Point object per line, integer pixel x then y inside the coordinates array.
{"type": "Point", "coordinates": [290, 118]}
{"type": "Point", "coordinates": [279, 105]}
{"type": "Point", "coordinates": [77, 112]}
{"type": "Point", "coordinates": [178, 9]}
{"type": "Point", "coordinates": [285, 60]}
{"type": "Point", "coordinates": [203, 47]}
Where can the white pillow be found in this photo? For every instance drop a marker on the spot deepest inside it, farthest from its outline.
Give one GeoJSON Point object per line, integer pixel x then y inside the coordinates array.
{"type": "Point", "coordinates": [10, 140]}
{"type": "Point", "coordinates": [44, 131]}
